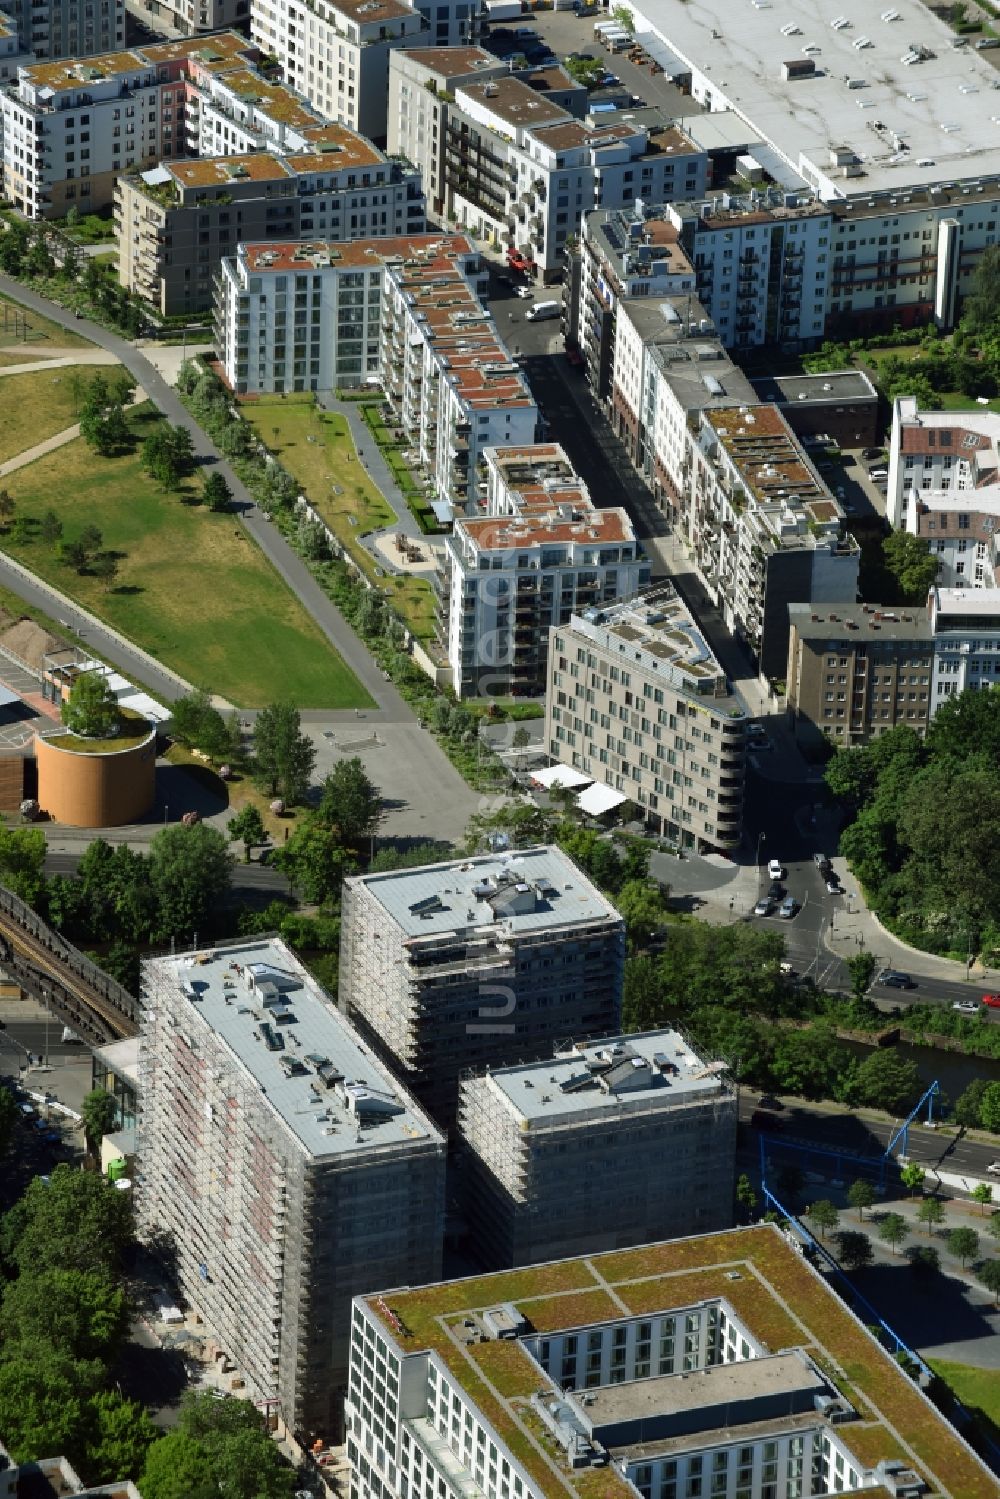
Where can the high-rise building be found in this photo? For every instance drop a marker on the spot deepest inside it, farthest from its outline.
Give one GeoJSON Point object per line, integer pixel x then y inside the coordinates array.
{"type": "Point", "coordinates": [71, 28]}
{"type": "Point", "coordinates": [636, 701]}
{"type": "Point", "coordinates": [477, 962]}
{"type": "Point", "coordinates": [287, 1167]}
{"type": "Point", "coordinates": [722, 1366]}
{"type": "Point", "coordinates": [539, 1144]}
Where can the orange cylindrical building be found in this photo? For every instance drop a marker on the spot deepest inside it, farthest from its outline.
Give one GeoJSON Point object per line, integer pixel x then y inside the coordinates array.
{"type": "Point", "coordinates": [95, 788]}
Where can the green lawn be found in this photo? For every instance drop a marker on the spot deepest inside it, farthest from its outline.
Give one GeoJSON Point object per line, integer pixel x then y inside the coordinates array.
{"type": "Point", "coordinates": [192, 590]}
{"type": "Point", "coordinates": [322, 467]}
{"type": "Point", "coordinates": [39, 405]}
{"type": "Point", "coordinates": [979, 1389]}
{"type": "Point", "coordinates": [90, 228]}
{"type": "Point", "coordinates": [40, 332]}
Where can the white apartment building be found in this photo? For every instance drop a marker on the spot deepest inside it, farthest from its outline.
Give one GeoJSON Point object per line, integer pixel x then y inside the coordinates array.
{"type": "Point", "coordinates": [14, 53]}
{"type": "Point", "coordinates": [447, 374]}
{"type": "Point", "coordinates": [336, 52]}
{"type": "Point", "coordinates": [307, 315]}
{"type": "Point", "coordinates": [619, 1107]}
{"type": "Point", "coordinates": [518, 168]}
{"type": "Point", "coordinates": [192, 17]}
{"type": "Point", "coordinates": [665, 1373]}
{"type": "Point", "coordinates": [636, 700]}
{"type": "Point", "coordinates": [966, 630]}
{"type": "Point", "coordinates": [70, 28]}
{"type": "Point", "coordinates": [287, 1166]}
{"type": "Point", "coordinates": [71, 128]}
{"type": "Point", "coordinates": [541, 552]}
{"type": "Point", "coordinates": [944, 485]}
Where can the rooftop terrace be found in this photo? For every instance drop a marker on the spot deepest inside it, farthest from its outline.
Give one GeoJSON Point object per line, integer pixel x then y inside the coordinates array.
{"type": "Point", "coordinates": [659, 633]}
{"type": "Point", "coordinates": [280, 1028]}
{"type": "Point", "coordinates": [295, 255]}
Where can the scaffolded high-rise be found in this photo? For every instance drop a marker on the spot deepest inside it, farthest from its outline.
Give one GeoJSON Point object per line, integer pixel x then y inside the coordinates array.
{"type": "Point", "coordinates": [287, 1167]}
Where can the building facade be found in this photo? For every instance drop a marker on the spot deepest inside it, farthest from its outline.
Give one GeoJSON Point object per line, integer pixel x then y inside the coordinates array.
{"type": "Point", "coordinates": [480, 962]}
{"type": "Point", "coordinates": [289, 1169]}
{"type": "Point", "coordinates": [539, 1143]}
{"type": "Point", "coordinates": [636, 700]}
{"type": "Point", "coordinates": [681, 1369]}
{"type": "Point", "coordinates": [74, 28]}
{"type": "Point", "coordinates": [541, 551]}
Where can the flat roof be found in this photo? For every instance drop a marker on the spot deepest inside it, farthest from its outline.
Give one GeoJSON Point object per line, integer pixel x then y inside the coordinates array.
{"type": "Point", "coordinates": [984, 603]}
{"type": "Point", "coordinates": [531, 528]}
{"type": "Point", "coordinates": [856, 622]}
{"type": "Point", "coordinates": [323, 1082]}
{"type": "Point", "coordinates": [219, 49]}
{"type": "Point", "coordinates": [212, 171]}
{"type": "Point", "coordinates": [273, 99]}
{"type": "Point", "coordinates": [651, 1069]}
{"type": "Point", "coordinates": [935, 113]}
{"type": "Point", "coordinates": [479, 891]}
{"type": "Point", "coordinates": [743, 1380]}
{"type": "Point", "coordinates": [771, 462]}
{"type": "Point", "coordinates": [121, 1057]}
{"type": "Point", "coordinates": [370, 12]}
{"type": "Point", "coordinates": [512, 100]}
{"type": "Point", "coordinates": [453, 62]}
{"type": "Point", "coordinates": [267, 256]}
{"type": "Point", "coordinates": [784, 1303]}
{"type": "Point", "coordinates": [827, 389]}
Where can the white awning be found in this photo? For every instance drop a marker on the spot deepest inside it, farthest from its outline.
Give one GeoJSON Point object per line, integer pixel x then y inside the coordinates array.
{"type": "Point", "coordinates": [559, 775]}
{"type": "Point", "coordinates": [597, 799]}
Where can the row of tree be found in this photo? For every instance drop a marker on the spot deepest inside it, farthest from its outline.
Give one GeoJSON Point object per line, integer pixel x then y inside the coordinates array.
{"type": "Point", "coordinates": [33, 252]}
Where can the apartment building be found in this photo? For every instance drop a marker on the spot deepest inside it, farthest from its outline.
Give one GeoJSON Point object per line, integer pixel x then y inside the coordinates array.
{"type": "Point", "coordinates": [177, 223]}
{"type": "Point", "coordinates": [966, 627]}
{"type": "Point", "coordinates": [447, 375]}
{"type": "Point", "coordinates": [857, 671]}
{"type": "Point", "coordinates": [618, 1108]}
{"type": "Point", "coordinates": [763, 528]}
{"type": "Point", "coordinates": [694, 1366]}
{"type": "Point", "coordinates": [541, 551]}
{"type": "Point", "coordinates": [944, 485]}
{"type": "Point", "coordinates": [836, 405]}
{"type": "Point", "coordinates": [328, 295]}
{"type": "Point", "coordinates": [289, 1169]}
{"type": "Point", "coordinates": [55, 1475]}
{"type": "Point", "coordinates": [478, 962]}
{"type": "Point", "coordinates": [71, 128]}
{"type": "Point", "coordinates": [72, 28]}
{"type": "Point", "coordinates": [636, 700]}
{"type": "Point", "coordinates": [336, 52]}
{"type": "Point", "coordinates": [14, 53]}
{"type": "Point", "coordinates": [519, 168]}
{"type": "Point", "coordinates": [191, 17]}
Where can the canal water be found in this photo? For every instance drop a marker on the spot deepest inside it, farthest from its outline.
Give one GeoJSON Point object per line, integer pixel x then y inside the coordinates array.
{"type": "Point", "coordinates": [952, 1069]}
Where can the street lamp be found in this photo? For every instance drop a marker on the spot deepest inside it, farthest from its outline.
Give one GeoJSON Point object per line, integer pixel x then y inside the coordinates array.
{"type": "Point", "coordinates": [760, 839]}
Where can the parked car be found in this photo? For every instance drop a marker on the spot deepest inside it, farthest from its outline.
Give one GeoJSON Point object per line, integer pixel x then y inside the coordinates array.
{"type": "Point", "coordinates": [892, 978]}
{"type": "Point", "coordinates": [992, 1000]}
{"type": "Point", "coordinates": [966, 1006]}
{"type": "Point", "coordinates": [833, 885]}
{"type": "Point", "coordinates": [872, 455]}
{"type": "Point", "coordinates": [764, 907]}
{"type": "Point", "coordinates": [522, 291]}
{"type": "Point", "coordinates": [789, 906]}
{"type": "Point", "coordinates": [775, 890]}
{"type": "Point", "coordinates": [775, 869]}
{"type": "Point", "coordinates": [768, 1102]}
{"type": "Point", "coordinates": [821, 861]}
{"type": "Point", "coordinates": [994, 1168]}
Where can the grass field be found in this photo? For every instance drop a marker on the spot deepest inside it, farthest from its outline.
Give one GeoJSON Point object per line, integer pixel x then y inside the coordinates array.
{"type": "Point", "coordinates": [40, 330]}
{"type": "Point", "coordinates": [979, 1389]}
{"type": "Point", "coordinates": [192, 590]}
{"type": "Point", "coordinates": [39, 405]}
{"type": "Point", "coordinates": [330, 463]}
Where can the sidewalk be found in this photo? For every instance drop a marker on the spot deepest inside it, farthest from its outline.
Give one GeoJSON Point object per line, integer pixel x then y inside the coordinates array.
{"type": "Point", "coordinates": [370, 457]}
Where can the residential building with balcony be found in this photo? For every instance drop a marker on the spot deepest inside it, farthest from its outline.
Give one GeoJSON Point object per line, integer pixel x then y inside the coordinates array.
{"type": "Point", "coordinates": [477, 962]}
{"type": "Point", "coordinates": [68, 28]}
{"type": "Point", "coordinates": [336, 52]}
{"type": "Point", "coordinates": [191, 17]}
{"type": "Point", "coordinates": [306, 315]}
{"type": "Point", "coordinates": [636, 700]}
{"type": "Point", "coordinates": [288, 1167]}
{"type": "Point", "coordinates": [447, 375]}
{"type": "Point", "coordinates": [617, 1108]}
{"type": "Point", "coordinates": [966, 627]}
{"type": "Point", "coordinates": [695, 1366]}
{"type": "Point", "coordinates": [71, 128]}
{"type": "Point", "coordinates": [944, 485]}
{"type": "Point", "coordinates": [14, 53]}
{"type": "Point", "coordinates": [177, 222]}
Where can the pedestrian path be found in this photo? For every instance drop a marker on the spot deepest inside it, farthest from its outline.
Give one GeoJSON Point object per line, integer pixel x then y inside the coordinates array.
{"type": "Point", "coordinates": [57, 359]}
{"type": "Point", "coordinates": [57, 440]}
{"type": "Point", "coordinates": [370, 455]}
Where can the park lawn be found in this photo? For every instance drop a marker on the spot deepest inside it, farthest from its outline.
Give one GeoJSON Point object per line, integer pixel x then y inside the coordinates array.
{"type": "Point", "coordinates": [40, 331]}
{"type": "Point", "coordinates": [39, 405]}
{"type": "Point", "coordinates": [979, 1389]}
{"type": "Point", "coordinates": [192, 589]}
{"type": "Point", "coordinates": [330, 463]}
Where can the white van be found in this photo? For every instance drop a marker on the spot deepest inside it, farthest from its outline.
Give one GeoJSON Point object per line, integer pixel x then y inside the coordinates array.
{"type": "Point", "coordinates": [543, 310]}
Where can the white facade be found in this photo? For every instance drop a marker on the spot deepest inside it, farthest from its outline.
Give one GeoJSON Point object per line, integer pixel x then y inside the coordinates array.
{"type": "Point", "coordinates": [336, 52]}
{"type": "Point", "coordinates": [72, 28]}
{"type": "Point", "coordinates": [966, 627]}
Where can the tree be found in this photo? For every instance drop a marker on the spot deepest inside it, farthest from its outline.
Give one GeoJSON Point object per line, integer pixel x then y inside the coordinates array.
{"type": "Point", "coordinates": [190, 870]}
{"type": "Point", "coordinates": [81, 1314]}
{"type": "Point", "coordinates": [99, 1112]}
{"type": "Point", "coordinates": [979, 313]}
{"type": "Point", "coordinates": [989, 1274]}
{"type": "Point", "coordinates": [218, 1450]}
{"type": "Point", "coordinates": [993, 1225]}
{"type": "Point", "coordinates": [625, 18]}
{"type": "Point", "coordinates": [216, 493]}
{"type": "Point", "coordinates": [283, 755]}
{"type": "Point", "coordinates": [989, 1107]}
{"type": "Point", "coordinates": [50, 528]}
{"type": "Point", "coordinates": [930, 1213]}
{"type": "Point", "coordinates": [168, 455]}
{"type": "Point", "coordinates": [105, 567]}
{"type": "Point", "coordinates": [887, 1081]}
{"type": "Point", "coordinates": [22, 862]}
{"type": "Point", "coordinates": [92, 708]}
{"type": "Point", "coordinates": [912, 1176]}
{"type": "Point", "coordinates": [911, 563]}
{"type": "Point", "coordinates": [983, 1194]}
{"type": "Point", "coordinates": [177, 1467]}
{"type": "Point", "coordinates": [315, 862]}
{"type": "Point", "coordinates": [41, 1405]}
{"type": "Point", "coordinates": [350, 802]}
{"type": "Point", "coordinates": [745, 1195]}
{"type": "Point", "coordinates": [8, 1115]}
{"type": "Point", "coordinates": [862, 970]}
{"type": "Point", "coordinates": [119, 1434]}
{"type": "Point", "coordinates": [893, 1229]}
{"type": "Point", "coordinates": [196, 722]}
{"type": "Point", "coordinates": [247, 827]}
{"type": "Point", "coordinates": [823, 1215]}
{"type": "Point", "coordinates": [76, 1221]}
{"type": "Point", "coordinates": [924, 1259]}
{"type": "Point", "coordinates": [963, 1243]}
{"type": "Point", "coordinates": [854, 1249]}
{"type": "Point", "coordinates": [7, 508]}
{"type": "Point", "coordinates": [861, 1195]}
{"type": "Point", "coordinates": [969, 1102]}
{"type": "Point", "coordinates": [81, 552]}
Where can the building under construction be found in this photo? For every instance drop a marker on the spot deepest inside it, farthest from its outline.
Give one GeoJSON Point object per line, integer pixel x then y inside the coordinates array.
{"type": "Point", "coordinates": [289, 1170]}
{"type": "Point", "coordinates": [618, 1142]}
{"type": "Point", "coordinates": [477, 962]}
